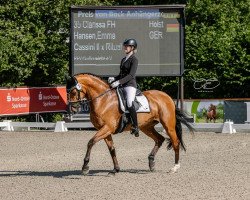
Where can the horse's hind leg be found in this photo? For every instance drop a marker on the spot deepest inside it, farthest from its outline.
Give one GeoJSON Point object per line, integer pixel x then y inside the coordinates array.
{"type": "Point", "coordinates": [110, 144]}
{"type": "Point", "coordinates": [158, 138]}
{"type": "Point", "coordinates": [174, 142]}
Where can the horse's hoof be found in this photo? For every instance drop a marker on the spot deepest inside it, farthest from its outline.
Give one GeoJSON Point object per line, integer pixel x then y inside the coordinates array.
{"type": "Point", "coordinates": [113, 172]}
{"type": "Point", "coordinates": [85, 170]}
{"type": "Point", "coordinates": [151, 163]}
{"type": "Point", "coordinates": [174, 169]}
{"type": "Point", "coordinates": [152, 166]}
{"type": "Point", "coordinates": [152, 169]}
{"type": "Point", "coordinates": [116, 169]}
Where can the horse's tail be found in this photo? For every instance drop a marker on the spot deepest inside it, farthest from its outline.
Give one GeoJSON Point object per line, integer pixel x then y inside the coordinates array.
{"type": "Point", "coordinates": [181, 118]}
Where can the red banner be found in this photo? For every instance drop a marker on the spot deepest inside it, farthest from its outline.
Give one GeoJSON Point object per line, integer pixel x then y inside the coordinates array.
{"type": "Point", "coordinates": [16, 101]}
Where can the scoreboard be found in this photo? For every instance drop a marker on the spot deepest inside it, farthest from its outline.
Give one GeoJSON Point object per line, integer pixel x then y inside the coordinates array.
{"type": "Point", "coordinates": [97, 34]}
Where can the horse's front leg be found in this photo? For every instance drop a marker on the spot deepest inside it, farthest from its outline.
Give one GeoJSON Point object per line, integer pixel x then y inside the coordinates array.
{"type": "Point", "coordinates": [101, 134]}
{"type": "Point", "coordinates": [110, 144]}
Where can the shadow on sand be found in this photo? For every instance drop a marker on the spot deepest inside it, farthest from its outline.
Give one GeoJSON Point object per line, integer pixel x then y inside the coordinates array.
{"type": "Point", "coordinates": [71, 174]}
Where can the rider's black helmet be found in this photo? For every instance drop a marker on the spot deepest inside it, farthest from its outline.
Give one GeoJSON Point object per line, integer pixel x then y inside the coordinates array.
{"type": "Point", "coordinates": [130, 42]}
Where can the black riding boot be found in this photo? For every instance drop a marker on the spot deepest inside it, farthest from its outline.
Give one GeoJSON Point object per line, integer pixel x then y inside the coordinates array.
{"type": "Point", "coordinates": [133, 115]}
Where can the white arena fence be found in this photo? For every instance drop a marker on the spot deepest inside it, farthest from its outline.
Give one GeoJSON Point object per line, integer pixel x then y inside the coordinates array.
{"type": "Point", "coordinates": [62, 126]}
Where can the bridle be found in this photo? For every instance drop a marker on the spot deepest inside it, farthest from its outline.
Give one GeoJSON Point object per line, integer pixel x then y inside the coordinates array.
{"type": "Point", "coordinates": [79, 89]}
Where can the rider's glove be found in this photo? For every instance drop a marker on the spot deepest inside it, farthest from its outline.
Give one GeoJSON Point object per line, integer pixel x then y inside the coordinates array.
{"type": "Point", "coordinates": [115, 84]}
{"type": "Point", "coordinates": [111, 79]}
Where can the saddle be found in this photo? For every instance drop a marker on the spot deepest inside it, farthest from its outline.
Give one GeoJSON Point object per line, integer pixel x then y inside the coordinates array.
{"type": "Point", "coordinates": [141, 102]}
{"type": "Point", "coordinates": [141, 105]}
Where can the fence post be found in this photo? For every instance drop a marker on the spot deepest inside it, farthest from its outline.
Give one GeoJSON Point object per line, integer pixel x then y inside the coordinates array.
{"type": "Point", "coordinates": [7, 126]}
{"type": "Point", "coordinates": [60, 127]}
{"type": "Point", "coordinates": [228, 127]}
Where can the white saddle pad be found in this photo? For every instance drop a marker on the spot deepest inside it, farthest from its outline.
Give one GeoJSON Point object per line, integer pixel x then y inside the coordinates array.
{"type": "Point", "coordinates": [142, 101]}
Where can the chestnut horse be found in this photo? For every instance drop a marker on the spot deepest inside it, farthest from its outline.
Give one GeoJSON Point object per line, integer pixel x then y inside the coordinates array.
{"type": "Point", "coordinates": [211, 114]}
{"type": "Point", "coordinates": [105, 116]}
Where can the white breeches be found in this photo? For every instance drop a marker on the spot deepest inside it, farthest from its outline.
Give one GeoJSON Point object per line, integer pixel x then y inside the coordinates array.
{"type": "Point", "coordinates": [130, 94]}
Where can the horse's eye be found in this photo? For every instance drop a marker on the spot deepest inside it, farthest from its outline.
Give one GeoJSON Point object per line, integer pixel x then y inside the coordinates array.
{"type": "Point", "coordinates": [73, 92]}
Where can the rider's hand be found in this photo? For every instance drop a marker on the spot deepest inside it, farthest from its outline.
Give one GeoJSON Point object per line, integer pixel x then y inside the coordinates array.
{"type": "Point", "coordinates": [115, 84]}
{"type": "Point", "coordinates": [111, 79]}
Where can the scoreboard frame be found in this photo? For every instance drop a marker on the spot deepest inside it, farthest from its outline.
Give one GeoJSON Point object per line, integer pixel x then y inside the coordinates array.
{"type": "Point", "coordinates": [172, 8]}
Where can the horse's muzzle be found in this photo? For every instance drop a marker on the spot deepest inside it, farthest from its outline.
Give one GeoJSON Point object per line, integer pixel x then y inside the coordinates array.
{"type": "Point", "coordinates": [73, 107]}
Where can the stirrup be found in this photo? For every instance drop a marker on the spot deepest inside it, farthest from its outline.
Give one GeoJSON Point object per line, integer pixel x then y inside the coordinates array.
{"type": "Point", "coordinates": [135, 131]}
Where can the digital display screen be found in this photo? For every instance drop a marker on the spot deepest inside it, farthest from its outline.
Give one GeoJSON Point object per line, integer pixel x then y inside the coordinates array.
{"type": "Point", "coordinates": [97, 35]}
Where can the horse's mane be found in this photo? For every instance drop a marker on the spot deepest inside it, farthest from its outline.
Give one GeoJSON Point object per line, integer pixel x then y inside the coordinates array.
{"type": "Point", "coordinates": [91, 75]}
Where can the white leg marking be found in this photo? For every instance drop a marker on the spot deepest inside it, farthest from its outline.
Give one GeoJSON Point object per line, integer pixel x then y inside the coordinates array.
{"type": "Point", "coordinates": [175, 168]}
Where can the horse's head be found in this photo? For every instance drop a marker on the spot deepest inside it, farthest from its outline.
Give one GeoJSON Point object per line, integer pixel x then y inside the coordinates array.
{"type": "Point", "coordinates": [75, 93]}
{"type": "Point", "coordinates": [212, 107]}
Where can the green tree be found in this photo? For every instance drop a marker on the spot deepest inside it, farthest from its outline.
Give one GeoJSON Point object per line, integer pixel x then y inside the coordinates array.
{"type": "Point", "coordinates": [217, 46]}
{"type": "Point", "coordinates": [34, 44]}
{"type": "Point", "coordinates": [34, 40]}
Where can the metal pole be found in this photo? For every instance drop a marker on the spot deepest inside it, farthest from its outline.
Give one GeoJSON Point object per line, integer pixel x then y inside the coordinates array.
{"type": "Point", "coordinates": [178, 93]}
{"type": "Point", "coordinates": [181, 91]}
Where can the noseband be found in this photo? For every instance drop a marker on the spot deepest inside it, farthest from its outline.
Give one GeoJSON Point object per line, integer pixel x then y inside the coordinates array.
{"type": "Point", "coordinates": [78, 87]}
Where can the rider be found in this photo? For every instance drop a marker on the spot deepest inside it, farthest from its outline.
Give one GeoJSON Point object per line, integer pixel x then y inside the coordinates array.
{"type": "Point", "coordinates": [127, 79]}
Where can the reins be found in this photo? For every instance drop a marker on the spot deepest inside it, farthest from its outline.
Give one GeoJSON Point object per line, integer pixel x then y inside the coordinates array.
{"type": "Point", "coordinates": [82, 101]}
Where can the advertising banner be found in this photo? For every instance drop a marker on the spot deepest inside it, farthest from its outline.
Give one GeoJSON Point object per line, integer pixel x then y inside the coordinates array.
{"type": "Point", "coordinates": [18, 101]}
{"type": "Point", "coordinates": [205, 110]}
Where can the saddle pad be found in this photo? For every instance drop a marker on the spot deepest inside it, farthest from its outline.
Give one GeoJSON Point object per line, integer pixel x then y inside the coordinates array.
{"type": "Point", "coordinates": [141, 101]}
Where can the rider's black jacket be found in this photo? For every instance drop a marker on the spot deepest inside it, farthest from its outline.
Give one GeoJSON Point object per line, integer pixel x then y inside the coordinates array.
{"type": "Point", "coordinates": [127, 71]}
